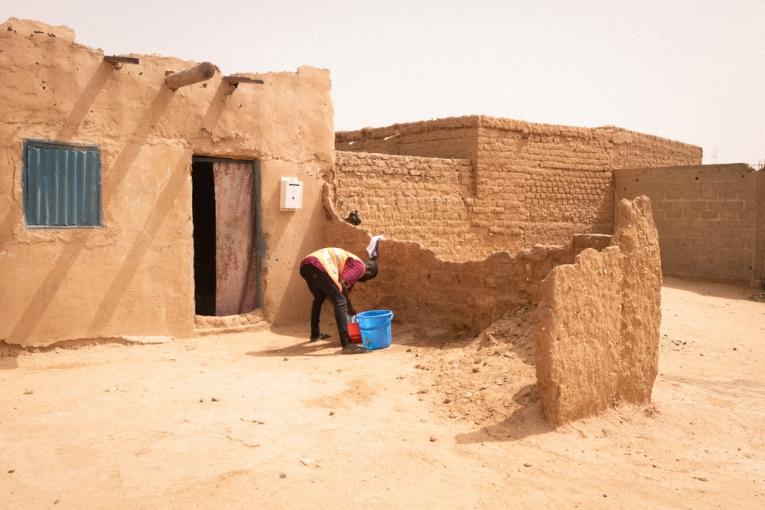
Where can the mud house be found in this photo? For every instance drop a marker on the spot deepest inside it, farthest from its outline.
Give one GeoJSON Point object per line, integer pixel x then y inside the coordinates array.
{"type": "Point", "coordinates": [140, 194]}
{"type": "Point", "coordinates": [132, 198]}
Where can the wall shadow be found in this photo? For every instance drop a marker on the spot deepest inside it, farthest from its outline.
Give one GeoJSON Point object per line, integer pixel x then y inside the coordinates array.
{"type": "Point", "coordinates": [142, 244]}
{"type": "Point", "coordinates": [519, 338]}
{"type": "Point", "coordinates": [527, 420]}
{"type": "Point", "coordinates": [88, 96]}
{"type": "Point", "coordinates": [67, 131]}
{"type": "Point", "coordinates": [8, 356]}
{"type": "Point", "coordinates": [164, 205]}
{"type": "Point", "coordinates": [734, 291]}
{"type": "Point", "coordinates": [215, 110]}
{"type": "Point", "coordinates": [136, 140]}
{"type": "Point", "coordinates": [8, 363]}
{"type": "Point", "coordinates": [47, 290]}
{"type": "Point", "coordinates": [413, 335]}
{"type": "Point", "coordinates": [313, 349]}
{"type": "Point", "coordinates": [6, 226]}
{"type": "Point", "coordinates": [284, 313]}
{"type": "Point", "coordinates": [279, 229]}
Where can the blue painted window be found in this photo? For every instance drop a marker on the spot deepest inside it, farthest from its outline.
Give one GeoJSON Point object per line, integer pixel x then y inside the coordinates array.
{"type": "Point", "coordinates": [62, 185]}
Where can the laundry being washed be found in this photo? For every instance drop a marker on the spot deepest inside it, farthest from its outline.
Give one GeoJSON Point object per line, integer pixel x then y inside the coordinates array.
{"type": "Point", "coordinates": [372, 246]}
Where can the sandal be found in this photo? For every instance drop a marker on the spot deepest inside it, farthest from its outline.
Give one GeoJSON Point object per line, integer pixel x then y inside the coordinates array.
{"type": "Point", "coordinates": [354, 349]}
{"type": "Point", "coordinates": [322, 336]}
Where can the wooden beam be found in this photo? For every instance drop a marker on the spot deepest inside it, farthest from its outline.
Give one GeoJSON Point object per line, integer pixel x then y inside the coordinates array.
{"type": "Point", "coordinates": [199, 72]}
{"type": "Point", "coordinates": [236, 80]}
{"type": "Point", "coordinates": [116, 61]}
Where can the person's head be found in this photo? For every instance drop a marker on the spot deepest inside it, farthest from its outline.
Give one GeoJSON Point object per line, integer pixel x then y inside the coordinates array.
{"type": "Point", "coordinates": [371, 271]}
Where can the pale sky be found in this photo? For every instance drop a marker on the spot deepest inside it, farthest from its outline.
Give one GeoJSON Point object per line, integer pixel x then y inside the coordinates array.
{"type": "Point", "coordinates": [693, 71]}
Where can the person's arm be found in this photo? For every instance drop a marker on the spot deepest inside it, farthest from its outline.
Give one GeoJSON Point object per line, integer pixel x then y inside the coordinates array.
{"type": "Point", "coordinates": [347, 294]}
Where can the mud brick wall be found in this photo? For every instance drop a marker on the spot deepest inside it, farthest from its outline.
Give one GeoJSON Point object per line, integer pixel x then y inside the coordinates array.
{"type": "Point", "coordinates": [421, 288]}
{"type": "Point", "coordinates": [629, 149]}
{"type": "Point", "coordinates": [707, 218]}
{"type": "Point", "coordinates": [454, 138]}
{"type": "Point", "coordinates": [598, 301]}
{"type": "Point", "coordinates": [409, 198]}
{"type": "Point", "coordinates": [598, 331]}
{"type": "Point", "coordinates": [531, 183]}
{"type": "Point", "coordinates": [554, 181]}
{"type": "Point", "coordinates": [542, 184]}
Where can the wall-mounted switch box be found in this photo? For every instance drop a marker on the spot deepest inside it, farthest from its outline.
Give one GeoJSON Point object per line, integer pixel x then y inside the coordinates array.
{"type": "Point", "coordinates": [291, 194]}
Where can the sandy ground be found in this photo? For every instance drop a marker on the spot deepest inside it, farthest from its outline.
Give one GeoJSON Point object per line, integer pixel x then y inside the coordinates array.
{"type": "Point", "coordinates": [265, 420]}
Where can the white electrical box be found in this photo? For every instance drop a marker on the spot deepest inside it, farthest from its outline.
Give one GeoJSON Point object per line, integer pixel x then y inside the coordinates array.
{"type": "Point", "coordinates": [291, 194]}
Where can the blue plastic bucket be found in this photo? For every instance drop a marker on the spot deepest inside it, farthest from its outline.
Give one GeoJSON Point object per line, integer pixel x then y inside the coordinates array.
{"type": "Point", "coordinates": [375, 328]}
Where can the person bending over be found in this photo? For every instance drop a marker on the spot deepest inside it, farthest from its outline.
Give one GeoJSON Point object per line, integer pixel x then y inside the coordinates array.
{"type": "Point", "coordinates": [330, 274]}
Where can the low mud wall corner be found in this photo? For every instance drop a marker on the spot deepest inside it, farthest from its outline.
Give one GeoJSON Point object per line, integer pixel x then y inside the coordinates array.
{"type": "Point", "coordinates": [598, 332]}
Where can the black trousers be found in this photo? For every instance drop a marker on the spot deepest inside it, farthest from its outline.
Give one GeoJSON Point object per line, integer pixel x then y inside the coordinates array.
{"type": "Point", "coordinates": [322, 287]}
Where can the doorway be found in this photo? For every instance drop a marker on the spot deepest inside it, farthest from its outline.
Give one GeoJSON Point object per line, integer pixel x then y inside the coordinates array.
{"type": "Point", "coordinates": [226, 219]}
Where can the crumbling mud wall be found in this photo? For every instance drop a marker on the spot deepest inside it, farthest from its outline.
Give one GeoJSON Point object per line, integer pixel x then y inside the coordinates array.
{"type": "Point", "coordinates": [598, 331]}
{"type": "Point", "coordinates": [531, 183]}
{"type": "Point", "coordinates": [709, 218]}
{"type": "Point", "coordinates": [422, 288]}
{"type": "Point", "coordinates": [134, 275]}
{"type": "Point", "coordinates": [597, 303]}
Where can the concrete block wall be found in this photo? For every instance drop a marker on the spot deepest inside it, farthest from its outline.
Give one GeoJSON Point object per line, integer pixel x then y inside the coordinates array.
{"type": "Point", "coordinates": [759, 255]}
{"type": "Point", "coordinates": [709, 218]}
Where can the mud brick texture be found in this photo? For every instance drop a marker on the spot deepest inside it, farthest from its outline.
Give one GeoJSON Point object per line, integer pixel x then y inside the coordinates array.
{"type": "Point", "coordinates": [409, 198]}
{"type": "Point", "coordinates": [597, 297]}
{"type": "Point", "coordinates": [424, 289]}
{"type": "Point", "coordinates": [528, 183]}
{"type": "Point", "coordinates": [598, 331]}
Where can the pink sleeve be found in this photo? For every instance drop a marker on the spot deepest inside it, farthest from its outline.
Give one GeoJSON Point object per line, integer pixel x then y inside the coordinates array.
{"type": "Point", "coordinates": [353, 270]}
